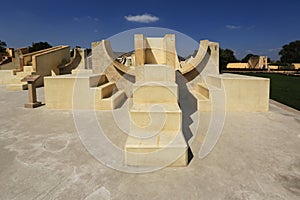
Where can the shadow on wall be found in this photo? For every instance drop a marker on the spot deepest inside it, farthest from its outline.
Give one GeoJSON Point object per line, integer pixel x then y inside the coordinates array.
{"type": "Point", "coordinates": [188, 105]}
{"type": "Point", "coordinates": [73, 64]}
{"type": "Point", "coordinates": [197, 70]}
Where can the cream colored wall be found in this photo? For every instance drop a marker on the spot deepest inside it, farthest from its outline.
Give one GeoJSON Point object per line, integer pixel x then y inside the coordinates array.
{"type": "Point", "coordinates": [28, 56]}
{"type": "Point", "coordinates": [60, 93]}
{"type": "Point", "coordinates": [81, 91]}
{"type": "Point", "coordinates": [296, 65]}
{"type": "Point", "coordinates": [246, 93]}
{"type": "Point", "coordinates": [155, 53]}
{"type": "Point", "coordinates": [237, 66]}
{"type": "Point", "coordinates": [9, 66]}
{"type": "Point", "coordinates": [44, 62]}
{"type": "Point", "coordinates": [5, 76]}
{"type": "Point", "coordinates": [273, 66]}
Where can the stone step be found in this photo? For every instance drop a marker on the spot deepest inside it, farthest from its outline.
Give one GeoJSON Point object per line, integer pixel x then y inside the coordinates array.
{"type": "Point", "coordinates": [21, 86]}
{"type": "Point", "coordinates": [155, 92]}
{"type": "Point", "coordinates": [96, 79]}
{"type": "Point", "coordinates": [112, 102]}
{"type": "Point", "coordinates": [214, 80]}
{"type": "Point", "coordinates": [168, 149]}
{"type": "Point", "coordinates": [86, 71]}
{"type": "Point", "coordinates": [28, 69]}
{"type": "Point", "coordinates": [22, 74]}
{"type": "Point", "coordinates": [155, 72]}
{"type": "Point", "coordinates": [203, 103]}
{"type": "Point", "coordinates": [155, 118]}
{"type": "Point", "coordinates": [14, 80]}
{"type": "Point", "coordinates": [104, 91]}
{"type": "Point", "coordinates": [202, 88]}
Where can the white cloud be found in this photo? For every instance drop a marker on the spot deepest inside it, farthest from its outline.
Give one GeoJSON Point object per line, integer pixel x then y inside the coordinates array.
{"type": "Point", "coordinates": [231, 27]}
{"type": "Point", "coordinates": [145, 18]}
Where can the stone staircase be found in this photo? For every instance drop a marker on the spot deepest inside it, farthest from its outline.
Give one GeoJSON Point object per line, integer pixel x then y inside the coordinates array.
{"type": "Point", "coordinates": [156, 137]}
{"type": "Point", "coordinates": [15, 83]}
{"type": "Point", "coordinates": [82, 91]}
{"type": "Point", "coordinates": [107, 95]}
{"type": "Point", "coordinates": [203, 92]}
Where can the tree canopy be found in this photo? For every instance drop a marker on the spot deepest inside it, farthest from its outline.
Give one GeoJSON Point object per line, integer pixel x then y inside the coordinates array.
{"type": "Point", "coordinates": [247, 57]}
{"type": "Point", "coordinates": [290, 53]}
{"type": "Point", "coordinates": [226, 56]}
{"type": "Point", "coordinates": [2, 46]}
{"type": "Point", "coordinates": [39, 46]}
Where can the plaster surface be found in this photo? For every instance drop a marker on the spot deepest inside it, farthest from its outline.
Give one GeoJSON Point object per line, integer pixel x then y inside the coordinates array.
{"type": "Point", "coordinates": [41, 157]}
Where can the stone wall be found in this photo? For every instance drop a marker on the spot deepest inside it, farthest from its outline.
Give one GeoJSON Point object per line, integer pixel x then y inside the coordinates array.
{"type": "Point", "coordinates": [44, 62]}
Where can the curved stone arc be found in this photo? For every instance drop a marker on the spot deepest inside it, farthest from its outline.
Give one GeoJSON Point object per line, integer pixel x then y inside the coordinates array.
{"type": "Point", "coordinates": [110, 57]}
{"type": "Point", "coordinates": [73, 64]}
{"type": "Point", "coordinates": [107, 65]}
{"type": "Point", "coordinates": [191, 63]}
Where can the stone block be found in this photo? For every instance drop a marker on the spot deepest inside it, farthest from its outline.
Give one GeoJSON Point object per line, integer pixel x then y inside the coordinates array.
{"type": "Point", "coordinates": [155, 92]}
{"type": "Point", "coordinates": [165, 149]}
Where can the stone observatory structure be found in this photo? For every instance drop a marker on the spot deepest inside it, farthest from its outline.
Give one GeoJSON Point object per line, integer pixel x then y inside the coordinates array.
{"type": "Point", "coordinates": [154, 86]}
{"type": "Point", "coordinates": [47, 62]}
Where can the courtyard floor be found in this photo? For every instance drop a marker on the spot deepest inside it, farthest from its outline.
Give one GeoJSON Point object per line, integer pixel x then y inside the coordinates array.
{"type": "Point", "coordinates": [42, 157]}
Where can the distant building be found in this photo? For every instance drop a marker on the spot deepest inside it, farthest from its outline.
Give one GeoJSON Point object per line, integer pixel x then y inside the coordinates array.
{"type": "Point", "coordinates": [260, 62]}
{"type": "Point", "coordinates": [296, 65]}
{"type": "Point", "coordinates": [237, 66]}
{"type": "Point", "coordinates": [273, 66]}
{"type": "Point", "coordinates": [127, 59]}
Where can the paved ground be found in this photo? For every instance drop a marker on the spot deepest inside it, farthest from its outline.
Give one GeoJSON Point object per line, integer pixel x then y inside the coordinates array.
{"type": "Point", "coordinates": [42, 157]}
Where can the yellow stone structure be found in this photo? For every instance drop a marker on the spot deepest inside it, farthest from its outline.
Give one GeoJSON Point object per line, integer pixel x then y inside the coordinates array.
{"type": "Point", "coordinates": [43, 63]}
{"type": "Point", "coordinates": [156, 137]}
{"type": "Point", "coordinates": [151, 89]}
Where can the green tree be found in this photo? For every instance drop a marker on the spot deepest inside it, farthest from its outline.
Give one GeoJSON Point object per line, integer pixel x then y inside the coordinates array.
{"type": "Point", "coordinates": [39, 46]}
{"type": "Point", "coordinates": [226, 56]}
{"type": "Point", "coordinates": [247, 57]}
{"type": "Point", "coordinates": [2, 46]}
{"type": "Point", "coordinates": [290, 53]}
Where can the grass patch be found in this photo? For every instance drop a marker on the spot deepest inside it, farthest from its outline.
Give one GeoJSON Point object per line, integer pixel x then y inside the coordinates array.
{"type": "Point", "coordinates": [284, 89]}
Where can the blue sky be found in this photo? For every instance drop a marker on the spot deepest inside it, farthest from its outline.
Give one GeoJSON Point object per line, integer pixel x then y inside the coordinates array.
{"type": "Point", "coordinates": [259, 27]}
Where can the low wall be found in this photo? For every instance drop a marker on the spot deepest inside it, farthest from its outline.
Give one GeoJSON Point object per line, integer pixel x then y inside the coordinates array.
{"type": "Point", "coordinates": [60, 92]}
{"type": "Point", "coordinates": [5, 76]}
{"type": "Point", "coordinates": [9, 66]}
{"type": "Point", "coordinates": [26, 58]}
{"type": "Point", "coordinates": [44, 62]}
{"type": "Point", "coordinates": [246, 93]}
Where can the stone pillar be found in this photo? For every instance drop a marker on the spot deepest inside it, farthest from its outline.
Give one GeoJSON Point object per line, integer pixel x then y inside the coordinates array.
{"type": "Point", "coordinates": [170, 50]}
{"type": "Point", "coordinates": [83, 61]}
{"type": "Point", "coordinates": [139, 47]}
{"type": "Point", "coordinates": [31, 81]}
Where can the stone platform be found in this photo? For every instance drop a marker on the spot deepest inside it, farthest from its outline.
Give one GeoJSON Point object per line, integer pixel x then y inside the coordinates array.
{"type": "Point", "coordinates": [42, 157]}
